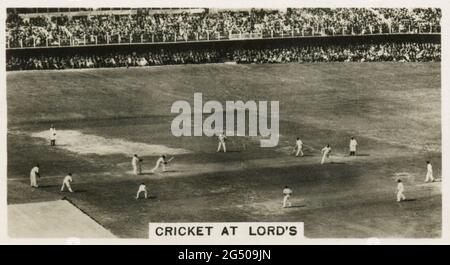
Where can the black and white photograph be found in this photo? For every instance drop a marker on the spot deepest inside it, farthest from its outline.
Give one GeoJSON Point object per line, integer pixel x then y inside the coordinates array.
{"type": "Point", "coordinates": [119, 118]}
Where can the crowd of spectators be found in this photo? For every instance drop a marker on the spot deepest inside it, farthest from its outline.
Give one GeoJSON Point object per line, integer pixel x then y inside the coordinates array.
{"type": "Point", "coordinates": [386, 52]}
{"type": "Point", "coordinates": [116, 59]}
{"type": "Point", "coordinates": [144, 26]}
{"type": "Point", "coordinates": [396, 52]}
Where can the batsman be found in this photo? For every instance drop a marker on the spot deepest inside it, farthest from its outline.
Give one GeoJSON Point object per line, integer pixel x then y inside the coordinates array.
{"type": "Point", "coordinates": [161, 163]}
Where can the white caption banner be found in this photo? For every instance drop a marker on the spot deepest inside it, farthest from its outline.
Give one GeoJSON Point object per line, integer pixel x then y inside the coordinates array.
{"type": "Point", "coordinates": [259, 233]}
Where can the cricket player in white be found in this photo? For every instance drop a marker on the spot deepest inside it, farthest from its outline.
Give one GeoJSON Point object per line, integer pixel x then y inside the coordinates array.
{"type": "Point", "coordinates": [429, 176]}
{"type": "Point", "coordinates": [161, 162]}
{"type": "Point", "coordinates": [325, 153]}
{"type": "Point", "coordinates": [136, 163]}
{"type": "Point", "coordinates": [52, 135]}
{"type": "Point", "coordinates": [142, 188]}
{"type": "Point", "coordinates": [353, 144]}
{"type": "Point", "coordinates": [66, 183]}
{"type": "Point", "coordinates": [400, 189]}
{"type": "Point", "coordinates": [287, 194]}
{"type": "Point", "coordinates": [33, 175]}
{"type": "Point", "coordinates": [222, 139]}
{"type": "Point", "coordinates": [298, 147]}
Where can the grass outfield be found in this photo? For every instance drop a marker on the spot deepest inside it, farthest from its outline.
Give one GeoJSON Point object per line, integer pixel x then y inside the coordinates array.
{"type": "Point", "coordinates": [393, 109]}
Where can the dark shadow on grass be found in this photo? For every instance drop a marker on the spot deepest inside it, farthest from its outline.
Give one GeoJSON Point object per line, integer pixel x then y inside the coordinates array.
{"type": "Point", "coordinates": [74, 191]}
{"type": "Point", "coordinates": [297, 206]}
{"type": "Point", "coordinates": [49, 186]}
{"type": "Point", "coordinates": [156, 173]}
{"type": "Point", "coordinates": [409, 200]}
{"type": "Point", "coordinates": [435, 180]}
{"type": "Point", "coordinates": [362, 155]}
{"type": "Point", "coordinates": [148, 198]}
{"type": "Point", "coordinates": [338, 163]}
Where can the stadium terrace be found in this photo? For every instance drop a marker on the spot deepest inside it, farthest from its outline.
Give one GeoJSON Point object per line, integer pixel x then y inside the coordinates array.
{"type": "Point", "coordinates": [131, 26]}
{"type": "Point", "coordinates": [57, 39]}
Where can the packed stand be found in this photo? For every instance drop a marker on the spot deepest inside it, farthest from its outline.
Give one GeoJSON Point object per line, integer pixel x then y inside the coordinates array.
{"type": "Point", "coordinates": [143, 26]}
{"type": "Point", "coordinates": [417, 20]}
{"type": "Point", "coordinates": [395, 52]}
{"type": "Point", "coordinates": [386, 52]}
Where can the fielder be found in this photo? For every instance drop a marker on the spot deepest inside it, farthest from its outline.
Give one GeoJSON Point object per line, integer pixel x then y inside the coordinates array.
{"type": "Point", "coordinates": [325, 153]}
{"type": "Point", "coordinates": [136, 162]}
{"type": "Point", "coordinates": [142, 188]}
{"type": "Point", "coordinates": [287, 194]}
{"type": "Point", "coordinates": [298, 148]}
{"type": "Point", "coordinates": [429, 176]}
{"type": "Point", "coordinates": [52, 135]}
{"type": "Point", "coordinates": [222, 138]}
{"type": "Point", "coordinates": [400, 189]}
{"type": "Point", "coordinates": [353, 144]}
{"type": "Point", "coordinates": [66, 183]}
{"type": "Point", "coordinates": [33, 175]}
{"type": "Point", "coordinates": [161, 162]}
